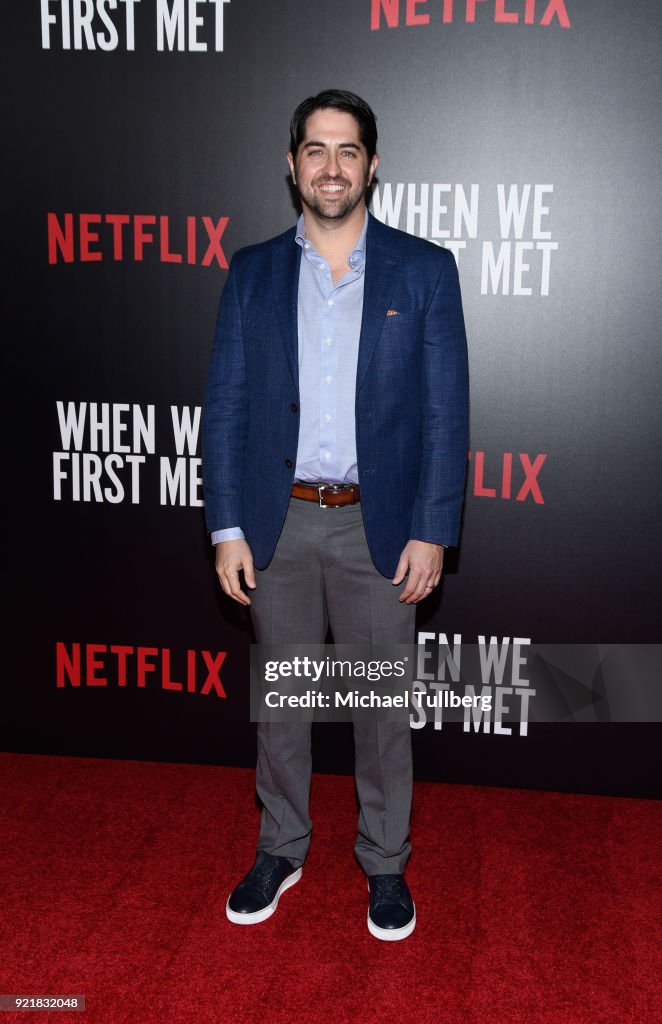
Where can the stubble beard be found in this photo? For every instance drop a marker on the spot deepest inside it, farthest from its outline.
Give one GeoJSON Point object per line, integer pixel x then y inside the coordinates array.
{"type": "Point", "coordinates": [333, 209]}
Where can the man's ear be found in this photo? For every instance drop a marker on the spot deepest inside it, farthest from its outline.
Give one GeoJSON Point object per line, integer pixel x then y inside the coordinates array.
{"type": "Point", "coordinates": [290, 160]}
{"type": "Point", "coordinates": [373, 167]}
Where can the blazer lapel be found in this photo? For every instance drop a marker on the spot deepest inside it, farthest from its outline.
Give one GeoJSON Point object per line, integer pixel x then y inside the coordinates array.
{"type": "Point", "coordinates": [380, 266]}
{"type": "Point", "coordinates": [285, 264]}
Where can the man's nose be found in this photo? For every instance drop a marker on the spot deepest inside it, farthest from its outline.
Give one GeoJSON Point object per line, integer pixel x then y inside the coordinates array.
{"type": "Point", "coordinates": [332, 165]}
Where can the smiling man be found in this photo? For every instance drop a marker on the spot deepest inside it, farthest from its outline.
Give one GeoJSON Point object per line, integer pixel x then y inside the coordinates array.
{"type": "Point", "coordinates": [335, 439]}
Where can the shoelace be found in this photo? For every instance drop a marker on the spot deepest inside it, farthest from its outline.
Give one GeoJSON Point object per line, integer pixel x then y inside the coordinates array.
{"type": "Point", "coordinates": [261, 873]}
{"type": "Point", "coordinates": [387, 887]}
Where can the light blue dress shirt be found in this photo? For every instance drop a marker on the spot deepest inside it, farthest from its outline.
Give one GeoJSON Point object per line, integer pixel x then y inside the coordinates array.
{"type": "Point", "coordinates": [329, 327]}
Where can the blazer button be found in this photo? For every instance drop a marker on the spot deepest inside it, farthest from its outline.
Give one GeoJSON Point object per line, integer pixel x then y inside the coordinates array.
{"type": "Point", "coordinates": [289, 463]}
{"type": "Point", "coordinates": [294, 407]}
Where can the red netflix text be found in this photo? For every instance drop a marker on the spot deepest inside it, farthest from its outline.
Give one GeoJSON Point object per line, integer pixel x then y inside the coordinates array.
{"type": "Point", "coordinates": [394, 13]}
{"type": "Point", "coordinates": [157, 667]}
{"type": "Point", "coordinates": [506, 475]}
{"type": "Point", "coordinates": [93, 237]}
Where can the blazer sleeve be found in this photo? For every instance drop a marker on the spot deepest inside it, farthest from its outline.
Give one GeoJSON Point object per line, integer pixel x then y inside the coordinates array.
{"type": "Point", "coordinates": [225, 415]}
{"type": "Point", "coordinates": [445, 411]}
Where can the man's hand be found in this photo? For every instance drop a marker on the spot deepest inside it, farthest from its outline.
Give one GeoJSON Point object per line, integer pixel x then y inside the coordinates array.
{"type": "Point", "coordinates": [231, 557]}
{"type": "Point", "coordinates": [424, 562]}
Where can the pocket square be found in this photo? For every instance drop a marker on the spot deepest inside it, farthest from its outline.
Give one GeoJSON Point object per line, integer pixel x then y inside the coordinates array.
{"type": "Point", "coordinates": [392, 312]}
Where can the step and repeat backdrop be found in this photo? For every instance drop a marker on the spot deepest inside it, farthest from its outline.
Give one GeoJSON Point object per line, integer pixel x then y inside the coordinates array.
{"type": "Point", "coordinates": [148, 145]}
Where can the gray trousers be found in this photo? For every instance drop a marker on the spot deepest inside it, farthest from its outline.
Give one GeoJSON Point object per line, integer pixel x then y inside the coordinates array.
{"type": "Point", "coordinates": [322, 575]}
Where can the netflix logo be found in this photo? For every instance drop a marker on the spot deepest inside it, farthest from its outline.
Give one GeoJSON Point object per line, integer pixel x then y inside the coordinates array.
{"type": "Point", "coordinates": [512, 477]}
{"type": "Point", "coordinates": [395, 13]}
{"type": "Point", "coordinates": [160, 668]}
{"type": "Point", "coordinates": [94, 237]}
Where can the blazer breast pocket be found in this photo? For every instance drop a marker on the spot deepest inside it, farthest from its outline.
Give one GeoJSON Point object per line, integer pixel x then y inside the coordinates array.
{"type": "Point", "coordinates": [396, 315]}
{"type": "Point", "coordinates": [396, 324]}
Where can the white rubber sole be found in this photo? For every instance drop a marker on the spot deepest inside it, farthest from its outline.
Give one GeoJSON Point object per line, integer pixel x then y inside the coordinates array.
{"type": "Point", "coordinates": [392, 934]}
{"type": "Point", "coordinates": [262, 915]}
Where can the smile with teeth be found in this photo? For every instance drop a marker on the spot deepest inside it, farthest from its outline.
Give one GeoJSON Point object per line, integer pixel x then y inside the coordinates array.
{"type": "Point", "coordinates": [331, 188]}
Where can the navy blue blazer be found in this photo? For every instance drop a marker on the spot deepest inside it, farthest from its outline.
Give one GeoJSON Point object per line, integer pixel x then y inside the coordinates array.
{"type": "Point", "coordinates": [411, 396]}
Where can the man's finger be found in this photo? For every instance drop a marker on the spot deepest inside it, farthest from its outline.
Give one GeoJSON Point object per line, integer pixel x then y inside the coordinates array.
{"type": "Point", "coordinates": [249, 573]}
{"type": "Point", "coordinates": [223, 580]}
{"type": "Point", "coordinates": [230, 584]}
{"type": "Point", "coordinates": [235, 588]}
{"type": "Point", "coordinates": [410, 588]}
{"type": "Point", "coordinates": [401, 570]}
{"type": "Point", "coordinates": [422, 588]}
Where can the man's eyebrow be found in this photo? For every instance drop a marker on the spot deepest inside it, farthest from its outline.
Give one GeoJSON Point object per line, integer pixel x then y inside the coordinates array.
{"type": "Point", "coordinates": [342, 145]}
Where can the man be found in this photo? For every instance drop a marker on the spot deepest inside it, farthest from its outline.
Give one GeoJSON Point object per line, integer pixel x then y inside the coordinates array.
{"type": "Point", "coordinates": [334, 454]}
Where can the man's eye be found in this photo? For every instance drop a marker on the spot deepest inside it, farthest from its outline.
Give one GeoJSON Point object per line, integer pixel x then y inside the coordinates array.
{"type": "Point", "coordinates": [348, 152]}
{"type": "Point", "coordinates": [314, 152]}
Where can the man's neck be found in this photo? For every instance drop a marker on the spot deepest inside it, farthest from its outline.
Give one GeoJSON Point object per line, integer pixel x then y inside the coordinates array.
{"type": "Point", "coordinates": [334, 240]}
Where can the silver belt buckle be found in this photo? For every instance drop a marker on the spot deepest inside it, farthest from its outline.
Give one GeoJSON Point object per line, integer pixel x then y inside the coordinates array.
{"type": "Point", "coordinates": [334, 488]}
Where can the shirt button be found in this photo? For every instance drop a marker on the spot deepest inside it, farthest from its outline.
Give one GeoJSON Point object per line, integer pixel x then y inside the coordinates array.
{"type": "Point", "coordinates": [327, 455]}
{"type": "Point", "coordinates": [329, 302]}
{"type": "Point", "coordinates": [329, 341]}
{"type": "Point", "coordinates": [294, 407]}
{"type": "Point", "coordinates": [306, 245]}
{"type": "Point", "coordinates": [328, 378]}
{"type": "Point", "coordinates": [327, 417]}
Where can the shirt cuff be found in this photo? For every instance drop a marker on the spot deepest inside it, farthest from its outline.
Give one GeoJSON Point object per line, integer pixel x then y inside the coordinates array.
{"type": "Point", "coordinates": [233, 533]}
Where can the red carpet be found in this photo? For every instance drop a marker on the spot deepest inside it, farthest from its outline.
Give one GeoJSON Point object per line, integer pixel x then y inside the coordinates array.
{"type": "Point", "coordinates": [532, 907]}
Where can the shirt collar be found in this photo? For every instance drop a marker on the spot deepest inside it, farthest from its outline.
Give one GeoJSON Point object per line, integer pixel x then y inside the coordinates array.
{"type": "Point", "coordinates": [357, 256]}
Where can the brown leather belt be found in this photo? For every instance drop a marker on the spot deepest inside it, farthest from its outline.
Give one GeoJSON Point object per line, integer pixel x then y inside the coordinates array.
{"type": "Point", "coordinates": [327, 495]}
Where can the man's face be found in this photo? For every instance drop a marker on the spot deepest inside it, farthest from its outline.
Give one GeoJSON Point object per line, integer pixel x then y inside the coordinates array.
{"type": "Point", "coordinates": [331, 169]}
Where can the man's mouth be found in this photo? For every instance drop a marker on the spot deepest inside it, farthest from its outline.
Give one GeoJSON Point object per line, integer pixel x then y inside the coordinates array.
{"type": "Point", "coordinates": [331, 188]}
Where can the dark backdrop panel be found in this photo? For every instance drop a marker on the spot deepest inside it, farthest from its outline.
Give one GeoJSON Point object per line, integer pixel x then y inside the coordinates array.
{"type": "Point", "coordinates": [565, 360]}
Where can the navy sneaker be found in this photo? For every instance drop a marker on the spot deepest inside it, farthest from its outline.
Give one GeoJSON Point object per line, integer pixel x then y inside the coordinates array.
{"type": "Point", "coordinates": [392, 914]}
{"type": "Point", "coordinates": [256, 897]}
